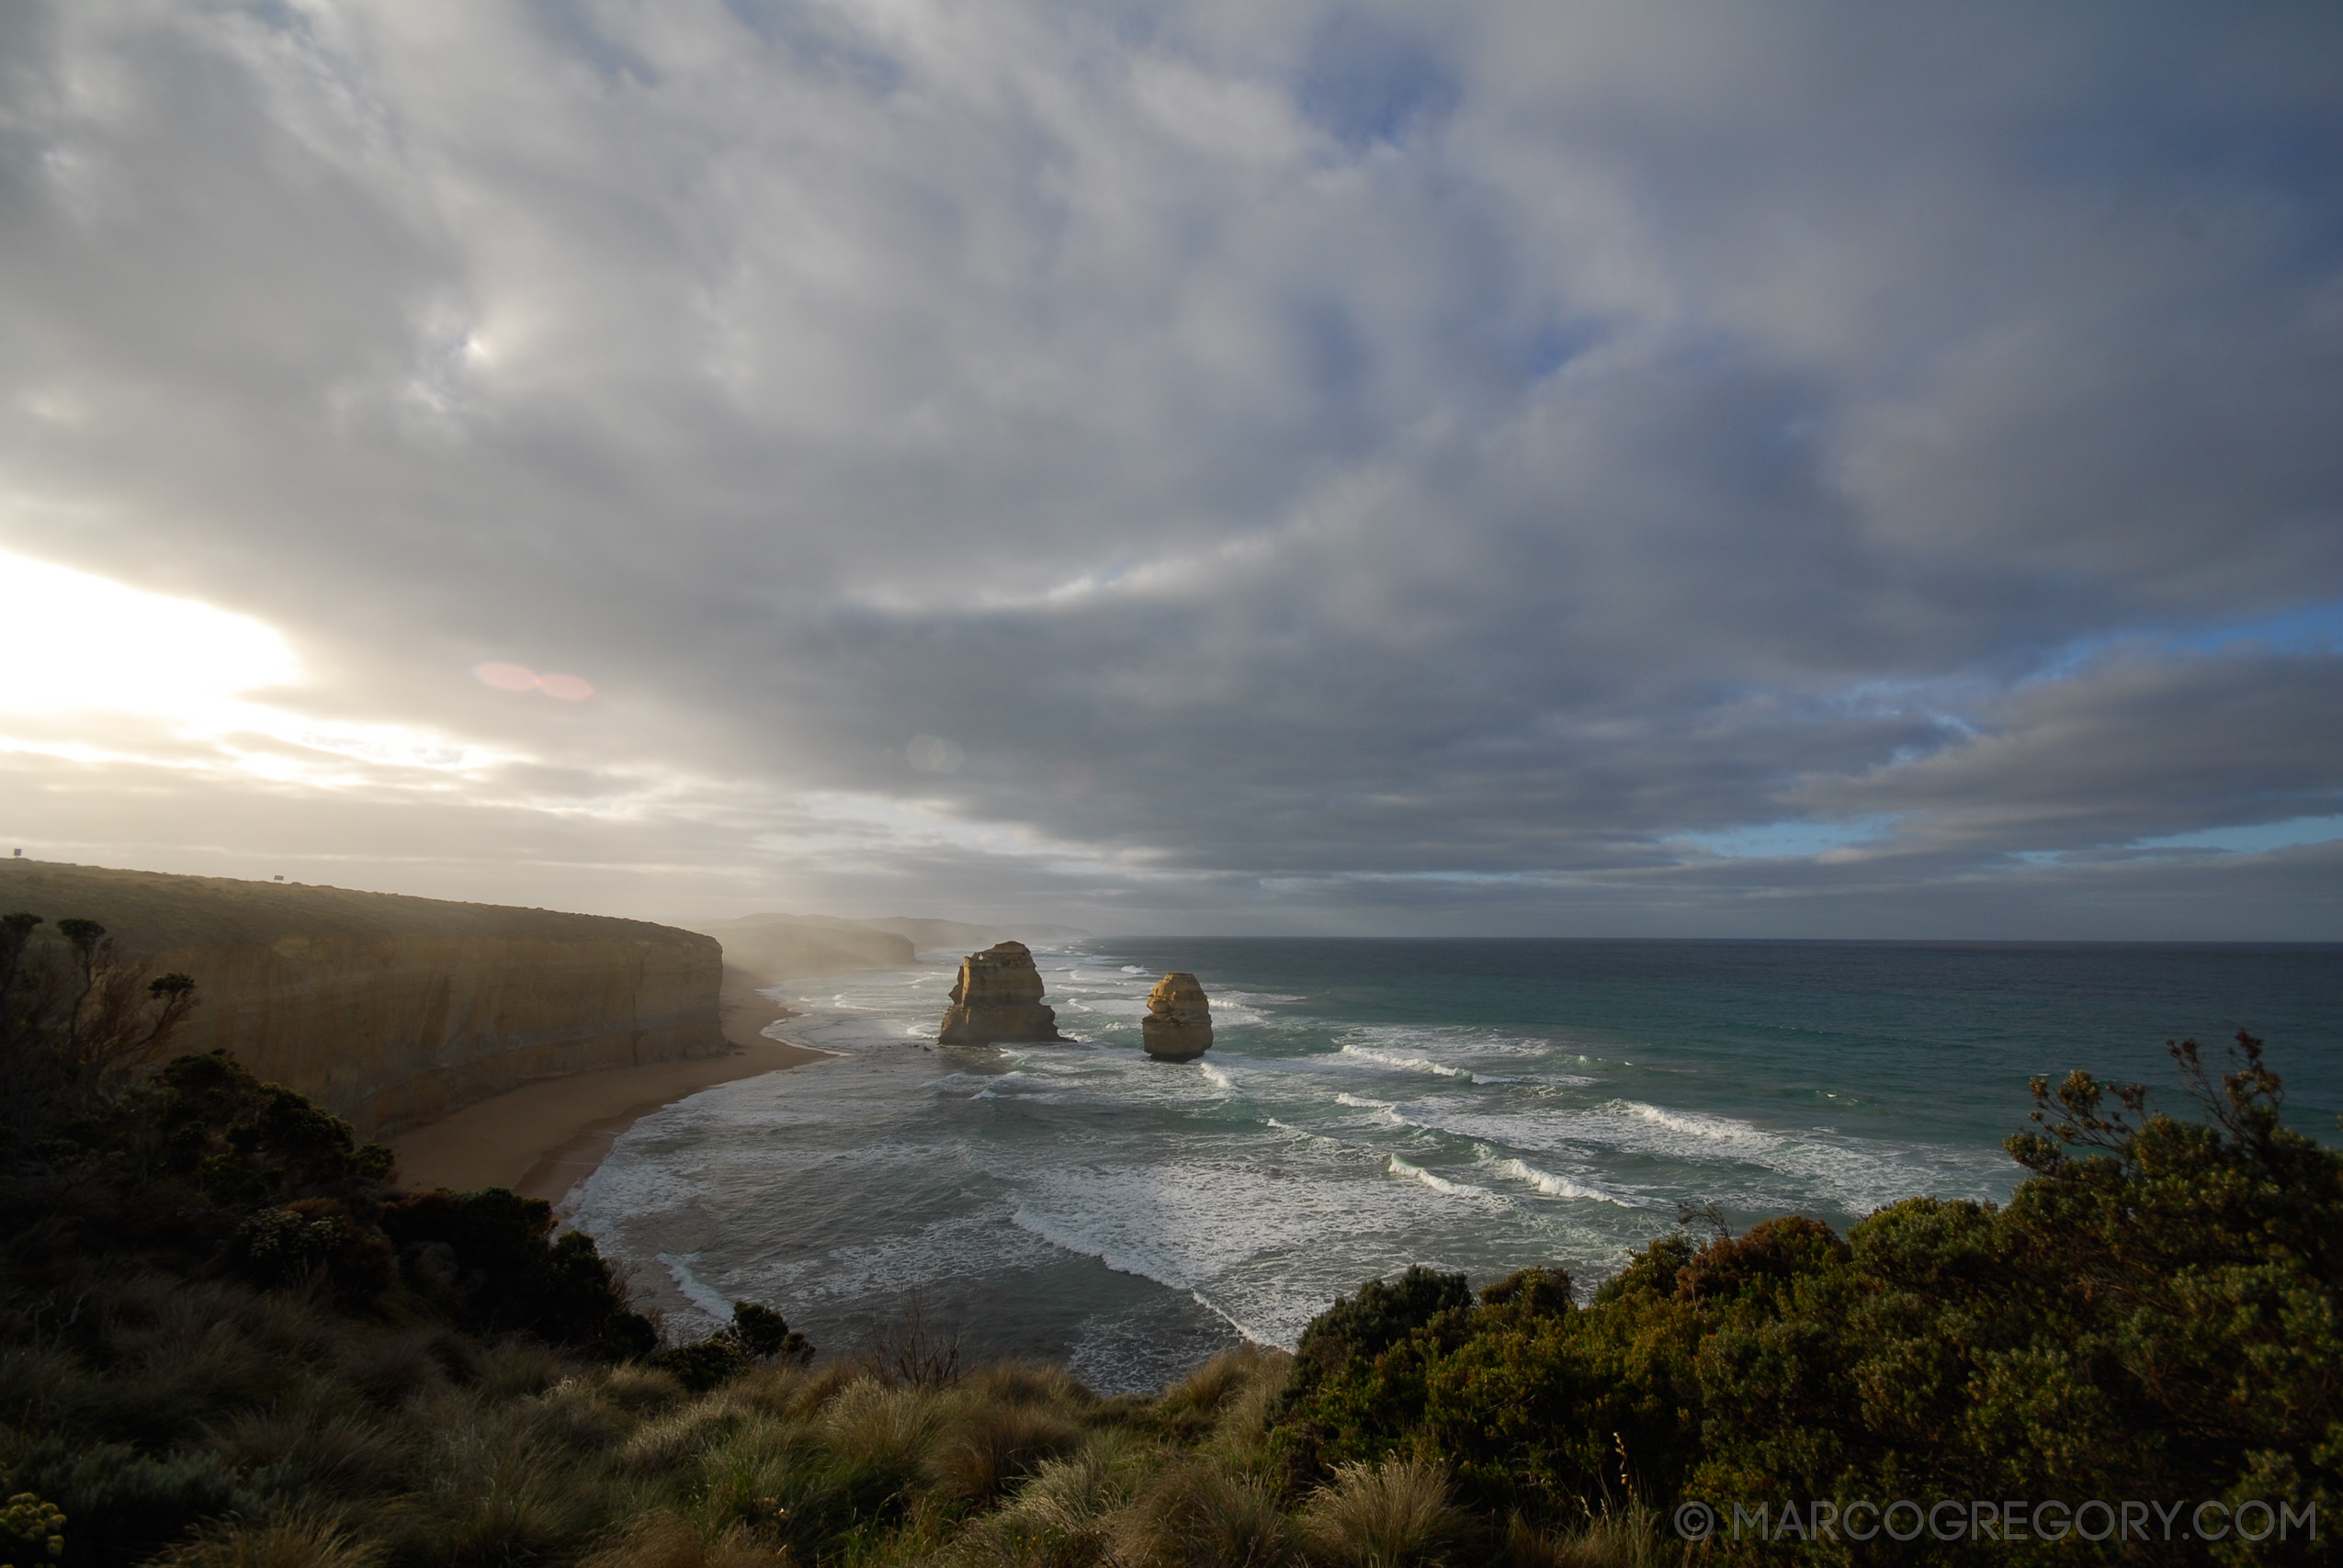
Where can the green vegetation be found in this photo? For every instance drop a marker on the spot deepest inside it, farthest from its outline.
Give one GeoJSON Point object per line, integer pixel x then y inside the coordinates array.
{"type": "Point", "coordinates": [226, 1338]}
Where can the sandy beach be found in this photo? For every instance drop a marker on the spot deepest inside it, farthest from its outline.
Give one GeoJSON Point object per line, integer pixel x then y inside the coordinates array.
{"type": "Point", "coordinates": [542, 1139]}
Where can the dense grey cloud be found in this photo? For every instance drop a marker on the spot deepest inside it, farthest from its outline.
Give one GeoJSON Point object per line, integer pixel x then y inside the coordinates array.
{"type": "Point", "coordinates": [1683, 468]}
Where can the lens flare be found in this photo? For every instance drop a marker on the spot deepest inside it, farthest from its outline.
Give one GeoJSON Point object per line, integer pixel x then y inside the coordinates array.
{"type": "Point", "coordinates": [505, 677]}
{"type": "Point", "coordinates": [521, 678]}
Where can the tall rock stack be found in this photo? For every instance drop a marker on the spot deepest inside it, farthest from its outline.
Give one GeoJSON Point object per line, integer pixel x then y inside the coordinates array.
{"type": "Point", "coordinates": [1179, 1019]}
{"type": "Point", "coordinates": [997, 998]}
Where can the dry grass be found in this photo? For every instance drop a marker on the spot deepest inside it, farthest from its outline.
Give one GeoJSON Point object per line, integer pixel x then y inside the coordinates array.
{"type": "Point", "coordinates": [640, 1390]}
{"type": "Point", "coordinates": [992, 1444]}
{"type": "Point", "coordinates": [1625, 1538]}
{"type": "Point", "coordinates": [667, 1539]}
{"type": "Point", "coordinates": [518, 1367]}
{"type": "Point", "coordinates": [1196, 1515]}
{"type": "Point", "coordinates": [677, 1437]}
{"type": "Point", "coordinates": [1383, 1516]}
{"type": "Point", "coordinates": [1204, 1390]}
{"type": "Point", "coordinates": [336, 1452]}
{"type": "Point", "coordinates": [496, 1496]}
{"type": "Point", "coordinates": [1026, 1382]}
{"type": "Point", "coordinates": [300, 1539]}
{"type": "Point", "coordinates": [873, 1425]}
{"type": "Point", "coordinates": [392, 1366]}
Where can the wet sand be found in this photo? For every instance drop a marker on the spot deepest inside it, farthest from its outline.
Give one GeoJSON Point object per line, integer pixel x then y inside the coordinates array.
{"type": "Point", "coordinates": [542, 1139]}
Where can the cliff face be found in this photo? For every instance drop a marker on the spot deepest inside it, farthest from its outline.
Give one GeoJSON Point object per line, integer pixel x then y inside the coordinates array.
{"type": "Point", "coordinates": [1178, 1026]}
{"type": "Point", "coordinates": [997, 998]}
{"type": "Point", "coordinates": [393, 1011]}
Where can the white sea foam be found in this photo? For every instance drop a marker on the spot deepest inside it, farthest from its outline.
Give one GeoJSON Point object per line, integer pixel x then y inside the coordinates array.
{"type": "Point", "coordinates": [1419, 1065]}
{"type": "Point", "coordinates": [1257, 1335]}
{"type": "Point", "coordinates": [1416, 1173]}
{"type": "Point", "coordinates": [714, 1303]}
{"type": "Point", "coordinates": [1557, 1186]}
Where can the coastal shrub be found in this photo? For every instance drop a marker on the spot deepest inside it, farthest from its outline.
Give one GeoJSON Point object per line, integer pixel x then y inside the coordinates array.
{"type": "Point", "coordinates": [705, 1364]}
{"type": "Point", "coordinates": [246, 1143]}
{"type": "Point", "coordinates": [313, 1236]}
{"type": "Point", "coordinates": [32, 1530]}
{"type": "Point", "coordinates": [76, 1021]}
{"type": "Point", "coordinates": [490, 1258]}
{"type": "Point", "coordinates": [757, 1335]}
{"type": "Point", "coordinates": [763, 1335]}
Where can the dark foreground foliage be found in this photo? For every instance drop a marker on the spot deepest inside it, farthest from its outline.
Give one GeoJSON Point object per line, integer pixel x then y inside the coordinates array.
{"type": "Point", "coordinates": [227, 1337]}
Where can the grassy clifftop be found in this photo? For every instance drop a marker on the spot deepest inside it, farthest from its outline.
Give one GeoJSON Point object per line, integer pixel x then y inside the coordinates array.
{"type": "Point", "coordinates": [152, 912]}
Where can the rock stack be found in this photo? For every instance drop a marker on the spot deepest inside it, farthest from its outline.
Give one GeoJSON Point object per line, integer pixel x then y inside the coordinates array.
{"type": "Point", "coordinates": [997, 998]}
{"type": "Point", "coordinates": [1179, 1019]}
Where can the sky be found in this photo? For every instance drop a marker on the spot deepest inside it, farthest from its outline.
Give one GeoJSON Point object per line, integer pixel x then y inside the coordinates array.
{"type": "Point", "coordinates": [1541, 468]}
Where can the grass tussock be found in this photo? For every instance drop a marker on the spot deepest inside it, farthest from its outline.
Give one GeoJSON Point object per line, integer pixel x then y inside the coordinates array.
{"type": "Point", "coordinates": [1630, 1536]}
{"type": "Point", "coordinates": [300, 1539]}
{"type": "Point", "coordinates": [668, 1540]}
{"type": "Point", "coordinates": [1395, 1514]}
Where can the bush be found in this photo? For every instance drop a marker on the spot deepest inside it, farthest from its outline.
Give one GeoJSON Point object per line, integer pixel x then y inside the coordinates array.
{"type": "Point", "coordinates": [490, 1258]}
{"type": "Point", "coordinates": [757, 1335]}
{"type": "Point", "coordinates": [31, 1529]}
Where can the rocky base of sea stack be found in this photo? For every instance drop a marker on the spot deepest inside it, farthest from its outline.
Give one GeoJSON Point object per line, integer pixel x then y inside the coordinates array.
{"type": "Point", "coordinates": [997, 1001]}
{"type": "Point", "coordinates": [1178, 1027]}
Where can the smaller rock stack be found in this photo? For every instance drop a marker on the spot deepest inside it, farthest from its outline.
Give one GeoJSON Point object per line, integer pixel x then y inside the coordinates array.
{"type": "Point", "coordinates": [997, 998]}
{"type": "Point", "coordinates": [1179, 1019]}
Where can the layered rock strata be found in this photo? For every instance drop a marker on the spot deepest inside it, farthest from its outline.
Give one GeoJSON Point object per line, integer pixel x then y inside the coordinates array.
{"type": "Point", "coordinates": [997, 1001]}
{"type": "Point", "coordinates": [392, 1011]}
{"type": "Point", "coordinates": [1178, 1027]}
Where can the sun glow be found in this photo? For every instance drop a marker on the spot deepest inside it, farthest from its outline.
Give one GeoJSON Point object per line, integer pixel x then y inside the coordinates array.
{"type": "Point", "coordinates": [82, 643]}
{"type": "Point", "coordinates": [108, 674]}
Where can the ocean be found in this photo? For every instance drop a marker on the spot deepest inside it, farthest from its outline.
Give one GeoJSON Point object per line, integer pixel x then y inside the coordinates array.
{"type": "Point", "coordinates": [1475, 1105]}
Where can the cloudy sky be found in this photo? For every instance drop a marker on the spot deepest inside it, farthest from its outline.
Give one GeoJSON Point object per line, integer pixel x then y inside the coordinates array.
{"type": "Point", "coordinates": [1536, 469]}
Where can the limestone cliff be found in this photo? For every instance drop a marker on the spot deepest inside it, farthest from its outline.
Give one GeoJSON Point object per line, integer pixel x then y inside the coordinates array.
{"type": "Point", "coordinates": [1178, 1026]}
{"type": "Point", "coordinates": [997, 1000]}
{"type": "Point", "coordinates": [394, 1011]}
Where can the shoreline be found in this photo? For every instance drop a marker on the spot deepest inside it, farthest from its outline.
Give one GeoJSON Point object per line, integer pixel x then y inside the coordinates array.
{"type": "Point", "coordinates": [544, 1138]}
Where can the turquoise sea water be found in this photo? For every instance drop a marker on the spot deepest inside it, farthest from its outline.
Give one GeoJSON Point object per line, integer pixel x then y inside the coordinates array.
{"type": "Point", "coordinates": [1475, 1105]}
